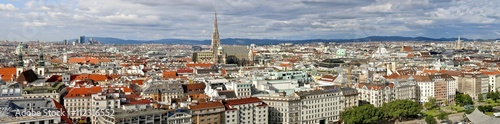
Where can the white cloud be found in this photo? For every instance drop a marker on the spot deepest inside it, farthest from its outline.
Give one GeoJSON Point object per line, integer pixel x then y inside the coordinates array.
{"type": "Point", "coordinates": [424, 22]}
{"type": "Point", "coordinates": [35, 24]}
{"type": "Point", "coordinates": [378, 8]}
{"type": "Point", "coordinates": [287, 19]}
{"type": "Point", "coordinates": [7, 7]}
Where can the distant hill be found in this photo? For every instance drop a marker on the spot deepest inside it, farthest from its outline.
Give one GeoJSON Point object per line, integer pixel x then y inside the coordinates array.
{"type": "Point", "coordinates": [246, 41]}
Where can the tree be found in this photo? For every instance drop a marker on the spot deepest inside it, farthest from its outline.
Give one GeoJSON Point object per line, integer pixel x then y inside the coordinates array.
{"type": "Point", "coordinates": [442, 115]}
{"type": "Point", "coordinates": [430, 120]}
{"type": "Point", "coordinates": [362, 115]}
{"type": "Point", "coordinates": [487, 108]}
{"type": "Point", "coordinates": [401, 108]}
{"type": "Point", "coordinates": [493, 95]}
{"type": "Point", "coordinates": [480, 97]}
{"type": "Point", "coordinates": [431, 104]}
{"type": "Point", "coordinates": [463, 99]}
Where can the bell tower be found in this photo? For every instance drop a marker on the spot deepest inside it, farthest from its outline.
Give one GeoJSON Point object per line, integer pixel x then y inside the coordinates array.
{"type": "Point", "coordinates": [20, 64]}
{"type": "Point", "coordinates": [41, 65]}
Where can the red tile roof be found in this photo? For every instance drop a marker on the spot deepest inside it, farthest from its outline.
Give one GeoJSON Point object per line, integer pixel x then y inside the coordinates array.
{"type": "Point", "coordinates": [430, 71]}
{"type": "Point", "coordinates": [491, 72]}
{"type": "Point", "coordinates": [392, 76]}
{"type": "Point", "coordinates": [64, 116]}
{"type": "Point", "coordinates": [242, 101]}
{"type": "Point", "coordinates": [54, 78]}
{"type": "Point", "coordinates": [185, 70]}
{"type": "Point", "coordinates": [8, 74]}
{"type": "Point", "coordinates": [144, 101]}
{"type": "Point", "coordinates": [80, 91]}
{"type": "Point", "coordinates": [206, 105]}
{"type": "Point", "coordinates": [169, 74]}
{"type": "Point", "coordinates": [194, 87]}
{"type": "Point", "coordinates": [138, 82]}
{"type": "Point", "coordinates": [375, 86]}
{"type": "Point", "coordinates": [205, 65]}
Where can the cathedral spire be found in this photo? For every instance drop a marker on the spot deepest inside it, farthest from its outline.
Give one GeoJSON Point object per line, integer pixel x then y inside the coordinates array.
{"type": "Point", "coordinates": [216, 28]}
{"type": "Point", "coordinates": [215, 41]}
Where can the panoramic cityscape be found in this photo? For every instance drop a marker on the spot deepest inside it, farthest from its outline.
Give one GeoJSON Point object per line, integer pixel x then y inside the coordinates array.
{"type": "Point", "coordinates": [250, 62]}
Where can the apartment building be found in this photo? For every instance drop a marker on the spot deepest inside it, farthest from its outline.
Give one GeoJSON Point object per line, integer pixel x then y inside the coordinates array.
{"type": "Point", "coordinates": [473, 83]}
{"type": "Point", "coordinates": [249, 110]}
{"type": "Point", "coordinates": [349, 98]}
{"type": "Point", "coordinates": [320, 106]}
{"type": "Point", "coordinates": [179, 116]}
{"type": "Point", "coordinates": [283, 109]}
{"type": "Point", "coordinates": [168, 91]}
{"type": "Point", "coordinates": [207, 113]}
{"type": "Point", "coordinates": [493, 79]}
{"type": "Point", "coordinates": [376, 93]}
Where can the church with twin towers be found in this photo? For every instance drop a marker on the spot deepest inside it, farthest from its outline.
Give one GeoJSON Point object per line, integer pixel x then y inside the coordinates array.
{"type": "Point", "coordinates": [218, 54]}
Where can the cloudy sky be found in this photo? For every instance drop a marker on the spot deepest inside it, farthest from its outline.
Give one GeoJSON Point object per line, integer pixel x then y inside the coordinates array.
{"type": "Point", "coordinates": [55, 20]}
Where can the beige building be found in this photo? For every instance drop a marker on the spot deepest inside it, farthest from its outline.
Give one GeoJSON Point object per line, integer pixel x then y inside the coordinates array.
{"type": "Point", "coordinates": [320, 106]}
{"type": "Point", "coordinates": [249, 110]}
{"type": "Point", "coordinates": [207, 113]}
{"type": "Point", "coordinates": [473, 83]}
{"type": "Point", "coordinates": [349, 98]}
{"type": "Point", "coordinates": [376, 94]}
{"type": "Point", "coordinates": [202, 57]}
{"type": "Point", "coordinates": [283, 109]}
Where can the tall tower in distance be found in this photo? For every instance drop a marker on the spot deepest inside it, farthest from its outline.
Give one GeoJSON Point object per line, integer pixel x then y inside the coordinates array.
{"type": "Point", "coordinates": [215, 41]}
{"type": "Point", "coordinates": [459, 44]}
{"type": "Point", "coordinates": [82, 39]}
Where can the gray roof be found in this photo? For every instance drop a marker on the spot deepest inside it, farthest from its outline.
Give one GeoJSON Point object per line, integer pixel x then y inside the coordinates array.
{"type": "Point", "coordinates": [235, 50]}
{"type": "Point", "coordinates": [477, 117]}
{"type": "Point", "coordinates": [227, 94]}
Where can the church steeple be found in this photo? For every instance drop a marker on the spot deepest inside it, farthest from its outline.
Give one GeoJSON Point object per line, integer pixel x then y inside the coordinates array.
{"type": "Point", "coordinates": [20, 61]}
{"type": "Point", "coordinates": [41, 62]}
{"type": "Point", "coordinates": [215, 41]}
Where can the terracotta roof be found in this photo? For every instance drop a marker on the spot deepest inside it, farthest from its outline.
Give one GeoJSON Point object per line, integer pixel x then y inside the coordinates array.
{"type": "Point", "coordinates": [144, 101]}
{"type": "Point", "coordinates": [8, 74]}
{"type": "Point", "coordinates": [205, 65]}
{"type": "Point", "coordinates": [409, 55]}
{"type": "Point", "coordinates": [375, 86]}
{"type": "Point", "coordinates": [169, 74]}
{"type": "Point", "coordinates": [80, 91]}
{"type": "Point", "coordinates": [422, 78]}
{"type": "Point", "coordinates": [491, 72]}
{"type": "Point", "coordinates": [138, 82]}
{"type": "Point", "coordinates": [185, 70]}
{"type": "Point", "coordinates": [77, 60]}
{"type": "Point", "coordinates": [98, 77]}
{"type": "Point", "coordinates": [285, 64]}
{"type": "Point", "coordinates": [193, 87]}
{"type": "Point", "coordinates": [242, 101]}
{"type": "Point", "coordinates": [206, 105]}
{"type": "Point", "coordinates": [407, 49]}
{"type": "Point", "coordinates": [64, 116]}
{"type": "Point", "coordinates": [430, 71]}
{"type": "Point", "coordinates": [392, 76]}
{"type": "Point", "coordinates": [224, 71]}
{"type": "Point", "coordinates": [56, 60]}
{"type": "Point", "coordinates": [54, 78]}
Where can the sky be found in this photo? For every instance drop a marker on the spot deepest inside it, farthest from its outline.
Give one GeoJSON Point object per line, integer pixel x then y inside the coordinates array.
{"type": "Point", "coordinates": [56, 20]}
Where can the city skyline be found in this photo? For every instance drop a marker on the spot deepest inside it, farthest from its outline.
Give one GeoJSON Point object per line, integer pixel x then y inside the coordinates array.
{"type": "Point", "coordinates": [56, 20]}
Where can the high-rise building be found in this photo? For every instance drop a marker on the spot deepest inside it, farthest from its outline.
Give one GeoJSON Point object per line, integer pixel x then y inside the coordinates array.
{"type": "Point", "coordinates": [215, 42]}
{"type": "Point", "coordinates": [66, 42]}
{"type": "Point", "coordinates": [82, 39]}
